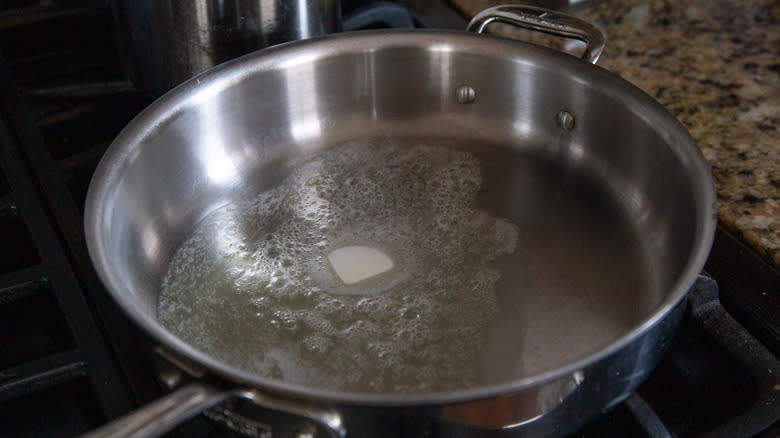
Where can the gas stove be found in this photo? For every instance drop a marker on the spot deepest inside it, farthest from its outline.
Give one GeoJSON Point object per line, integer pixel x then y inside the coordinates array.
{"type": "Point", "coordinates": [71, 361]}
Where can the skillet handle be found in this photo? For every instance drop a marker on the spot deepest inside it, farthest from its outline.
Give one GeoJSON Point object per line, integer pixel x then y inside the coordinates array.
{"type": "Point", "coordinates": [164, 414]}
{"type": "Point", "coordinates": [546, 21]}
{"type": "Point", "coordinates": [170, 411]}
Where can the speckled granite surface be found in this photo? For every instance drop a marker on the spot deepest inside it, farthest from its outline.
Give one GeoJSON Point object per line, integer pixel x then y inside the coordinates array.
{"type": "Point", "coordinates": [715, 64]}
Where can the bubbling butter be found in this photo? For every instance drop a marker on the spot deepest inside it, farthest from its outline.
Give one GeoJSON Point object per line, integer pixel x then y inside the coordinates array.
{"type": "Point", "coordinates": [368, 269]}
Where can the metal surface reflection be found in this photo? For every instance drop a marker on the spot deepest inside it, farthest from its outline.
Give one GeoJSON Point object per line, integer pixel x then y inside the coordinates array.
{"type": "Point", "coordinates": [303, 109]}
{"type": "Point", "coordinates": [441, 64]}
{"type": "Point", "coordinates": [214, 155]}
{"type": "Point", "coordinates": [512, 412]}
{"type": "Point", "coordinates": [150, 242]}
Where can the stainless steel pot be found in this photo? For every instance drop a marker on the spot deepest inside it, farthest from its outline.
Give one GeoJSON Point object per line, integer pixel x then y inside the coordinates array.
{"type": "Point", "coordinates": [164, 43]}
{"type": "Point", "coordinates": [240, 127]}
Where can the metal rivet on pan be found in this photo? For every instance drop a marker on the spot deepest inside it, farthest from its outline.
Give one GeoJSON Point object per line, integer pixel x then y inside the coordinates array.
{"type": "Point", "coordinates": [565, 120]}
{"type": "Point", "coordinates": [306, 432]}
{"type": "Point", "coordinates": [465, 94]}
{"type": "Point", "coordinates": [170, 377]}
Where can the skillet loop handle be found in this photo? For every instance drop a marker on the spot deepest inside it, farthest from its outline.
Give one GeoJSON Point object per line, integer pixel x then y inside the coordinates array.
{"type": "Point", "coordinates": [545, 21]}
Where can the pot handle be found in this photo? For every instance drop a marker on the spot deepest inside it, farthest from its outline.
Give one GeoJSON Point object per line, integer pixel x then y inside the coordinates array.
{"type": "Point", "coordinates": [546, 21]}
{"type": "Point", "coordinates": [170, 411]}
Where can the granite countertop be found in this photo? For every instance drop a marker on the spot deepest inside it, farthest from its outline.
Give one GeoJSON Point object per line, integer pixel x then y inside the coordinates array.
{"type": "Point", "coordinates": [715, 65]}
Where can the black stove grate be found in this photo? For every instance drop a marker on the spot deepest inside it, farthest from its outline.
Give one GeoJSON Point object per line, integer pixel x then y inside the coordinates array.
{"type": "Point", "coordinates": [53, 357]}
{"type": "Point", "coordinates": [70, 360]}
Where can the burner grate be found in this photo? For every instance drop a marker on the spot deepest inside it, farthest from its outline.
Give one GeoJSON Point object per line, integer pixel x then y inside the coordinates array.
{"type": "Point", "coordinates": [26, 416]}
{"type": "Point", "coordinates": [31, 321]}
{"type": "Point", "coordinates": [47, 330]}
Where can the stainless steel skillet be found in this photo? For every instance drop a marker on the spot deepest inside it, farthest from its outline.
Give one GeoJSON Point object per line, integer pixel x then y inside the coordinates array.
{"type": "Point", "coordinates": [589, 144]}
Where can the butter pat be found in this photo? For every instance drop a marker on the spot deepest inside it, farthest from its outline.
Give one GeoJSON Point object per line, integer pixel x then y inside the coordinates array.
{"type": "Point", "coordinates": [356, 263]}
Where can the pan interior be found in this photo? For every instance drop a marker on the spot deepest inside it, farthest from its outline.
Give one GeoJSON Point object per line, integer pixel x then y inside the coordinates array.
{"type": "Point", "coordinates": [505, 264]}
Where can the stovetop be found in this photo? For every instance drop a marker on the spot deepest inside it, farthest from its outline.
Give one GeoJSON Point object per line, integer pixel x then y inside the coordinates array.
{"type": "Point", "coordinates": [70, 360]}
